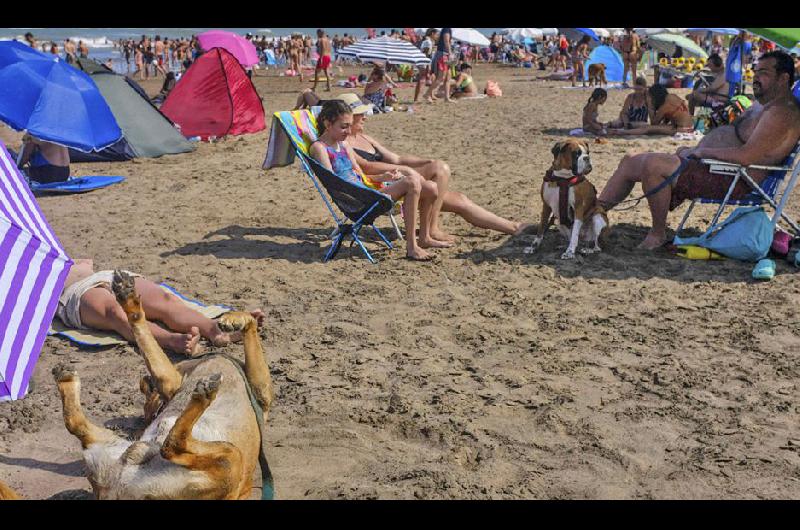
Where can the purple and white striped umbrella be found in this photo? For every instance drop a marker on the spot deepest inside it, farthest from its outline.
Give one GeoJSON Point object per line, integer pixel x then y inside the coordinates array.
{"type": "Point", "coordinates": [33, 267]}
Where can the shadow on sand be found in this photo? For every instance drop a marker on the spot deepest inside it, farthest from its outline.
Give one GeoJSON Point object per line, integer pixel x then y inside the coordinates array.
{"type": "Point", "coordinates": [308, 246]}
{"type": "Point", "coordinates": [619, 260]}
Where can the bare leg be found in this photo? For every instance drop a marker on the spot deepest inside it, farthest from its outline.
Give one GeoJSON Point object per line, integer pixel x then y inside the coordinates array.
{"type": "Point", "coordinates": [99, 310]}
{"type": "Point", "coordinates": [316, 79]}
{"type": "Point", "coordinates": [69, 386]}
{"type": "Point", "coordinates": [650, 169]}
{"type": "Point", "coordinates": [458, 203]}
{"type": "Point", "coordinates": [428, 197]}
{"type": "Point", "coordinates": [328, 76]}
{"type": "Point", "coordinates": [438, 172]}
{"type": "Point", "coordinates": [643, 131]}
{"type": "Point", "coordinates": [410, 188]}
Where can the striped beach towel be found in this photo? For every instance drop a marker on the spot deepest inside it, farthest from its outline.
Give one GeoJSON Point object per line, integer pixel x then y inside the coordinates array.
{"type": "Point", "coordinates": [33, 267]}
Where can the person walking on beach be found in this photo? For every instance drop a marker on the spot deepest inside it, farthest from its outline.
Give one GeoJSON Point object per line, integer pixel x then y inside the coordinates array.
{"type": "Point", "coordinates": [69, 51]}
{"type": "Point", "coordinates": [54, 48]}
{"type": "Point", "coordinates": [324, 61]}
{"type": "Point", "coordinates": [158, 50]}
{"type": "Point", "coordinates": [631, 53]}
{"type": "Point", "coordinates": [295, 55]}
{"type": "Point", "coordinates": [83, 50]}
{"type": "Point", "coordinates": [441, 65]}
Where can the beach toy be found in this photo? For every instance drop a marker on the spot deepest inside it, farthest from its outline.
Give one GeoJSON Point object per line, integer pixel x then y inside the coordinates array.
{"type": "Point", "coordinates": [764, 270]}
{"type": "Point", "coordinates": [780, 243]}
{"type": "Point", "coordinates": [695, 252]}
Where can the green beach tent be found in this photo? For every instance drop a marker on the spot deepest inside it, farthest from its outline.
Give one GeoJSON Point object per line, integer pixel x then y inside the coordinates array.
{"type": "Point", "coordinates": [146, 132]}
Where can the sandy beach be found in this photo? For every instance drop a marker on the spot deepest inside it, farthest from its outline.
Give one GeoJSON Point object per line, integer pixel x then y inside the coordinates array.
{"type": "Point", "coordinates": [487, 374]}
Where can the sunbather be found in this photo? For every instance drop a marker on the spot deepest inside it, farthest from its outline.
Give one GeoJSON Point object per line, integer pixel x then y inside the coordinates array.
{"type": "Point", "coordinates": [635, 112]}
{"type": "Point", "coordinates": [375, 89]}
{"type": "Point", "coordinates": [669, 115]}
{"type": "Point", "coordinates": [715, 92]}
{"type": "Point", "coordinates": [374, 158]}
{"type": "Point", "coordinates": [87, 302]}
{"type": "Point", "coordinates": [49, 162]}
{"type": "Point", "coordinates": [764, 134]}
{"type": "Point", "coordinates": [333, 123]}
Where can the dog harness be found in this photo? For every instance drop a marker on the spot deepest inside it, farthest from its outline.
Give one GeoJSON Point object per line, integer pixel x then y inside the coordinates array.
{"type": "Point", "coordinates": [565, 215]}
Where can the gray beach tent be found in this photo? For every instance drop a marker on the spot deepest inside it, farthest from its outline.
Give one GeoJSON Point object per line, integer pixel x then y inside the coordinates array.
{"type": "Point", "coordinates": [146, 132]}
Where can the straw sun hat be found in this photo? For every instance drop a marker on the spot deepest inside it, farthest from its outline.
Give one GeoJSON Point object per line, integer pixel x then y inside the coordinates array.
{"type": "Point", "coordinates": [354, 102]}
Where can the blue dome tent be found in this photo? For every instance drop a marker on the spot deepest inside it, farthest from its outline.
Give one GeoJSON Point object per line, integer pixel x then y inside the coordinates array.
{"type": "Point", "coordinates": [613, 61]}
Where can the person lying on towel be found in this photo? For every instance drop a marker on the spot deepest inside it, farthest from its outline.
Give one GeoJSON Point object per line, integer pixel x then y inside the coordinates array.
{"type": "Point", "coordinates": [48, 162]}
{"type": "Point", "coordinates": [87, 302]}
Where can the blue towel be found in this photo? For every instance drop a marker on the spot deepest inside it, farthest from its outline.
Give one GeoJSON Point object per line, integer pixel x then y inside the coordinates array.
{"type": "Point", "coordinates": [76, 184]}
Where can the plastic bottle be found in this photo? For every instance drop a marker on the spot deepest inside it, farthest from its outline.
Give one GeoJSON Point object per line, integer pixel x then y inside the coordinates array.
{"type": "Point", "coordinates": [695, 252]}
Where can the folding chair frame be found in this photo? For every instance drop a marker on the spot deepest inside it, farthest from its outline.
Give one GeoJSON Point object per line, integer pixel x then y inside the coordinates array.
{"type": "Point", "coordinates": [343, 228]}
{"type": "Point", "coordinates": [741, 172]}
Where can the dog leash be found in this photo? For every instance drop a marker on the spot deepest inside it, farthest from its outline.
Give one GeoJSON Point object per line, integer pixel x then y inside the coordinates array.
{"type": "Point", "coordinates": [655, 190]}
{"type": "Point", "coordinates": [267, 482]}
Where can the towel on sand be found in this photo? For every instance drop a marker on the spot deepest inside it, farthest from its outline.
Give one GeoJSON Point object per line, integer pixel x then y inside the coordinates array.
{"type": "Point", "coordinates": [93, 337]}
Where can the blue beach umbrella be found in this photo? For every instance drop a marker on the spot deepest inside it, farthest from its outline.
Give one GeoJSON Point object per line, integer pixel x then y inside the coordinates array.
{"type": "Point", "coordinates": [53, 101]}
{"type": "Point", "coordinates": [719, 31]}
{"type": "Point", "coordinates": [590, 32]}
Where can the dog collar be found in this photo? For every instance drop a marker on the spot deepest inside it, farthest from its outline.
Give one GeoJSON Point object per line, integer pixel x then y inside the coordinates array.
{"type": "Point", "coordinates": [562, 181]}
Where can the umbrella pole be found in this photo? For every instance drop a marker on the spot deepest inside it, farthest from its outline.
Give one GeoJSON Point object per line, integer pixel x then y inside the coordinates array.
{"type": "Point", "coordinates": [741, 66]}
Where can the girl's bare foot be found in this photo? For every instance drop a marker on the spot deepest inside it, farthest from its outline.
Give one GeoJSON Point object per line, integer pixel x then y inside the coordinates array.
{"type": "Point", "coordinates": [443, 236]}
{"type": "Point", "coordinates": [418, 255]}
{"type": "Point", "coordinates": [434, 243]}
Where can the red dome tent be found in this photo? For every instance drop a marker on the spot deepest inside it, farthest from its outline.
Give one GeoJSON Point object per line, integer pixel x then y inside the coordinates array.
{"type": "Point", "coordinates": [215, 98]}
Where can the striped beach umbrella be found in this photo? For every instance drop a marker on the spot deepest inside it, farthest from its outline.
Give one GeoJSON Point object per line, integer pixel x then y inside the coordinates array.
{"type": "Point", "coordinates": [385, 49]}
{"type": "Point", "coordinates": [33, 267]}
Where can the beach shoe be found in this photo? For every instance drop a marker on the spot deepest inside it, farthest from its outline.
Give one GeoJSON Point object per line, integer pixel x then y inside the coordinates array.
{"type": "Point", "coordinates": [764, 270]}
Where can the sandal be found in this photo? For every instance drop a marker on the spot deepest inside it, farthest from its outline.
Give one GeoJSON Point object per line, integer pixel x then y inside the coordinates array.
{"type": "Point", "coordinates": [764, 270]}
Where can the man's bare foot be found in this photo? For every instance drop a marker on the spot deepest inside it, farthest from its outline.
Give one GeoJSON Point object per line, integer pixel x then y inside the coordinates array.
{"type": "Point", "coordinates": [418, 255]}
{"type": "Point", "coordinates": [429, 100]}
{"type": "Point", "coordinates": [652, 242]}
{"type": "Point", "coordinates": [223, 339]}
{"type": "Point", "coordinates": [434, 243]}
{"type": "Point", "coordinates": [521, 227]}
{"type": "Point", "coordinates": [443, 236]}
{"type": "Point", "coordinates": [185, 343]}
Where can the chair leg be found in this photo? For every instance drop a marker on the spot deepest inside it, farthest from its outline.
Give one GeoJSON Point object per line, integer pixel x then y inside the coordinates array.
{"type": "Point", "coordinates": [377, 231]}
{"type": "Point", "coordinates": [685, 217]}
{"type": "Point", "coordinates": [356, 239]}
{"type": "Point", "coordinates": [337, 242]}
{"type": "Point", "coordinates": [396, 228]}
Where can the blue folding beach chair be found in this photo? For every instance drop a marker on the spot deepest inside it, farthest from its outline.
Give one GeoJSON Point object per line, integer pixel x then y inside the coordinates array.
{"type": "Point", "coordinates": [767, 192]}
{"type": "Point", "coordinates": [292, 134]}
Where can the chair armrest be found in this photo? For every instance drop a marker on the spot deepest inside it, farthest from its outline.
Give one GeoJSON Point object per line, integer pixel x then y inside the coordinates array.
{"type": "Point", "coordinates": [729, 167]}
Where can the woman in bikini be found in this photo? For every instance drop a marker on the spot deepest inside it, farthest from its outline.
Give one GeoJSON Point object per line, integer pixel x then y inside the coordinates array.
{"type": "Point", "coordinates": [579, 54]}
{"type": "Point", "coordinates": [635, 112]}
{"type": "Point", "coordinates": [295, 52]}
{"type": "Point", "coordinates": [631, 54]}
{"type": "Point", "coordinates": [334, 122]}
{"type": "Point", "coordinates": [668, 115]}
{"type": "Point", "coordinates": [374, 158]}
{"type": "Point", "coordinates": [375, 89]}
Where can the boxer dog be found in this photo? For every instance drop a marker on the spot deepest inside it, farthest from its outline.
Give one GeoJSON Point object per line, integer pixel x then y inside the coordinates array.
{"type": "Point", "coordinates": [597, 74]}
{"type": "Point", "coordinates": [570, 198]}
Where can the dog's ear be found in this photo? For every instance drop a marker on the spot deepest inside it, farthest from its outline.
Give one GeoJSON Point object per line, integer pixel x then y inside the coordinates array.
{"type": "Point", "coordinates": [556, 150]}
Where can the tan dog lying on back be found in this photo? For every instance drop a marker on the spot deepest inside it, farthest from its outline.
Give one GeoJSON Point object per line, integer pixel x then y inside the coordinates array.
{"type": "Point", "coordinates": [571, 199]}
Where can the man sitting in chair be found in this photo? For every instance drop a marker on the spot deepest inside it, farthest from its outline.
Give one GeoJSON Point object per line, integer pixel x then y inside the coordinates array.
{"type": "Point", "coordinates": [765, 134]}
{"type": "Point", "coordinates": [714, 92]}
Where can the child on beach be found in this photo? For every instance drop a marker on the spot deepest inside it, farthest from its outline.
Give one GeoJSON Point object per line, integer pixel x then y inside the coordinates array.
{"type": "Point", "coordinates": [591, 121]}
{"type": "Point", "coordinates": [334, 122]}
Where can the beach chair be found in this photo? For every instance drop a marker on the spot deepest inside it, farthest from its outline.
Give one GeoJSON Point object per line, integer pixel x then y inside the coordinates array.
{"type": "Point", "coordinates": [358, 204]}
{"type": "Point", "coordinates": [767, 192]}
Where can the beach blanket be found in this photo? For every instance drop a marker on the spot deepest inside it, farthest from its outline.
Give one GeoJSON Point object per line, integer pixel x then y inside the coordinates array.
{"type": "Point", "coordinates": [93, 337]}
{"type": "Point", "coordinates": [609, 86]}
{"type": "Point", "coordinates": [76, 184]}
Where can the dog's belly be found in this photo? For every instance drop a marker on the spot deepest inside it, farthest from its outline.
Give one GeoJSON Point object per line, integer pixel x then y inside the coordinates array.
{"type": "Point", "coordinates": [229, 418]}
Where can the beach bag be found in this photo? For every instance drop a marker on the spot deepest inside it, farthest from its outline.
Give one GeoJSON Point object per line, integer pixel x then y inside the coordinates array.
{"type": "Point", "coordinates": [745, 235]}
{"type": "Point", "coordinates": [493, 89]}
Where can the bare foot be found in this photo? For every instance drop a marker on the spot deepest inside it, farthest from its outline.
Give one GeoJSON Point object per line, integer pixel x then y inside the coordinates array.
{"type": "Point", "coordinates": [185, 343]}
{"type": "Point", "coordinates": [419, 255]}
{"type": "Point", "coordinates": [652, 242]}
{"type": "Point", "coordinates": [434, 243]}
{"type": "Point", "coordinates": [223, 339]}
{"type": "Point", "coordinates": [443, 236]}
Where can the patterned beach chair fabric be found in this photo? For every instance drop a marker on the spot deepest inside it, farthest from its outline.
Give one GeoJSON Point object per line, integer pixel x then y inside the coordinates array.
{"type": "Point", "coordinates": [767, 193]}
{"type": "Point", "coordinates": [291, 136]}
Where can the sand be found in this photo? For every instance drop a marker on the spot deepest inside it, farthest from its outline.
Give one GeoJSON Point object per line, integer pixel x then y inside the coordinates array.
{"type": "Point", "coordinates": [488, 374]}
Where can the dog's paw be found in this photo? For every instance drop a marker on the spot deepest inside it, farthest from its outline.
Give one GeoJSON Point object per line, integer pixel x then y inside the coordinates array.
{"type": "Point", "coordinates": [207, 387]}
{"type": "Point", "coordinates": [64, 373]}
{"type": "Point", "coordinates": [123, 286]}
{"type": "Point", "coordinates": [235, 321]}
{"type": "Point", "coordinates": [534, 246]}
{"type": "Point", "coordinates": [568, 254]}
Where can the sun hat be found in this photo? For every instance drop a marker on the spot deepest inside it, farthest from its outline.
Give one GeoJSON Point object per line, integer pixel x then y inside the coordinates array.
{"type": "Point", "coordinates": [354, 102]}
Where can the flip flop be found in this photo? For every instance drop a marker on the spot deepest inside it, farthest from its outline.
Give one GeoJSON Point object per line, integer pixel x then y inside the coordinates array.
{"type": "Point", "coordinates": [764, 270]}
